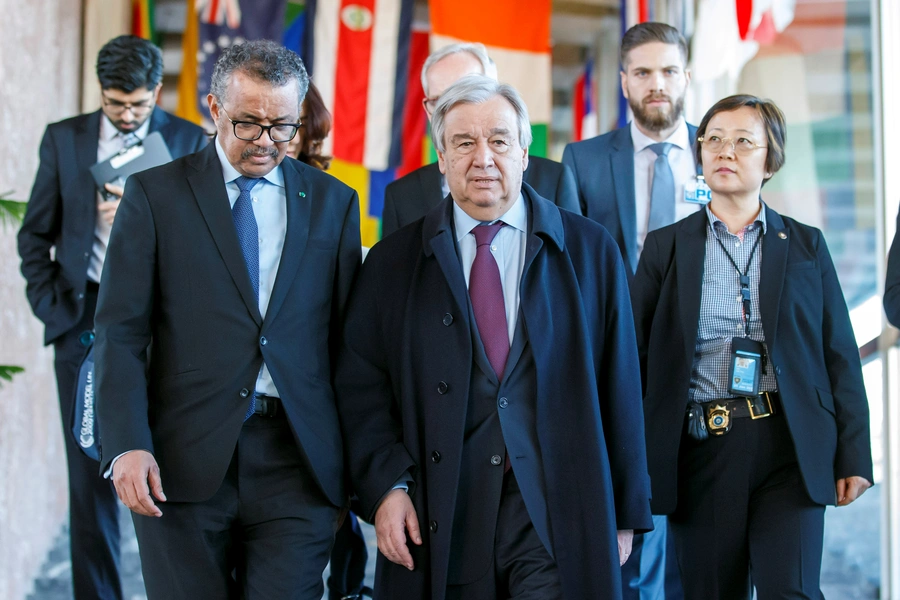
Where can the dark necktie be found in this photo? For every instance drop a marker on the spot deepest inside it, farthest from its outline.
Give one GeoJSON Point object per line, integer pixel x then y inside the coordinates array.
{"type": "Point", "coordinates": [248, 235]}
{"type": "Point", "coordinates": [129, 139]}
{"type": "Point", "coordinates": [486, 293]}
{"type": "Point", "coordinates": [662, 195]}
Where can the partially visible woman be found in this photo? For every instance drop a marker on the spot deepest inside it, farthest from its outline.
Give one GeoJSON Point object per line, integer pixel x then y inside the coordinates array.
{"type": "Point", "coordinates": [315, 126]}
{"type": "Point", "coordinates": [349, 554]}
{"type": "Point", "coordinates": [754, 402]}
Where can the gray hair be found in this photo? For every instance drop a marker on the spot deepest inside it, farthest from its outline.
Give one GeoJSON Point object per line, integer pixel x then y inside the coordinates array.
{"type": "Point", "coordinates": [477, 89]}
{"type": "Point", "coordinates": [263, 60]}
{"type": "Point", "coordinates": [475, 49]}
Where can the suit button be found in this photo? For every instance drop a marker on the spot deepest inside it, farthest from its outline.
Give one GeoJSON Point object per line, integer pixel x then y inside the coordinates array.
{"type": "Point", "coordinates": [435, 457]}
{"type": "Point", "coordinates": [448, 319]}
{"type": "Point", "coordinates": [503, 402]}
{"type": "Point", "coordinates": [442, 387]}
{"type": "Point", "coordinates": [778, 370]}
{"type": "Point", "coordinates": [263, 341]}
{"type": "Point", "coordinates": [86, 255]}
{"type": "Point", "coordinates": [81, 296]}
{"type": "Point", "coordinates": [433, 526]}
{"type": "Point", "coordinates": [244, 392]}
{"type": "Point", "coordinates": [496, 460]}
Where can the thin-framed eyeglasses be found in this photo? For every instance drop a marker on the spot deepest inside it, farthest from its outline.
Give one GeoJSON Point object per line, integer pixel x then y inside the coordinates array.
{"type": "Point", "coordinates": [250, 132]}
{"type": "Point", "coordinates": [740, 145]}
{"type": "Point", "coordinates": [430, 103]}
{"type": "Point", "coordinates": [137, 108]}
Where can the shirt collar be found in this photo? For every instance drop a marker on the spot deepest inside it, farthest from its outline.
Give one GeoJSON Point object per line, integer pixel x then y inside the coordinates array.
{"type": "Point", "coordinates": [516, 217]}
{"type": "Point", "coordinates": [275, 176]}
{"type": "Point", "coordinates": [108, 131]}
{"type": "Point", "coordinates": [760, 218]}
{"type": "Point", "coordinates": [679, 137]}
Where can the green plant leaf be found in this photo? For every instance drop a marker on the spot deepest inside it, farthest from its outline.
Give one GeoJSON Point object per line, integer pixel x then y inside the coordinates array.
{"type": "Point", "coordinates": [11, 211]}
{"type": "Point", "coordinates": [7, 371]}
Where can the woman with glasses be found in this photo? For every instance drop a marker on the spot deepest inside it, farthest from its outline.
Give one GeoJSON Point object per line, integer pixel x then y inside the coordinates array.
{"type": "Point", "coordinates": [755, 412]}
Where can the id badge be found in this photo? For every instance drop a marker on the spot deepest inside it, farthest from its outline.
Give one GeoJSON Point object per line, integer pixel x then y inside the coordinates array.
{"type": "Point", "coordinates": [746, 366]}
{"type": "Point", "coordinates": [697, 192]}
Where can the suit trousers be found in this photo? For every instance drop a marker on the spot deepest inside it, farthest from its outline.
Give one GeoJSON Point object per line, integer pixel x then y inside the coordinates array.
{"type": "Point", "coordinates": [744, 516]}
{"type": "Point", "coordinates": [523, 569]}
{"type": "Point", "coordinates": [93, 509]}
{"type": "Point", "coordinates": [266, 533]}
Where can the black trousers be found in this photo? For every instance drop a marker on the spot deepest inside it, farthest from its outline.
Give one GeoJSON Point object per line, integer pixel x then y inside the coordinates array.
{"type": "Point", "coordinates": [744, 517]}
{"type": "Point", "coordinates": [265, 534]}
{"type": "Point", "coordinates": [523, 569]}
{"type": "Point", "coordinates": [93, 511]}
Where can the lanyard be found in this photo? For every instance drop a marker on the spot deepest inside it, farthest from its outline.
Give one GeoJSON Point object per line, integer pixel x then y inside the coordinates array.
{"type": "Point", "coordinates": [744, 279]}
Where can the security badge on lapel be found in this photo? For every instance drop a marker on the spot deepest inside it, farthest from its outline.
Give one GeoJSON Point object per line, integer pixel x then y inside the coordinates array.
{"type": "Point", "coordinates": [696, 191]}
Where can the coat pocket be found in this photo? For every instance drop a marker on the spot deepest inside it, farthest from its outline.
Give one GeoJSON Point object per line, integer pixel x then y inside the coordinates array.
{"type": "Point", "coordinates": [826, 400]}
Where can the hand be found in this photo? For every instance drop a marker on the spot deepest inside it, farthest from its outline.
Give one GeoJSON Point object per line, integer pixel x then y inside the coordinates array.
{"type": "Point", "coordinates": [393, 519]}
{"type": "Point", "coordinates": [625, 537]}
{"type": "Point", "coordinates": [107, 208]}
{"type": "Point", "coordinates": [850, 488]}
{"type": "Point", "coordinates": [131, 475]}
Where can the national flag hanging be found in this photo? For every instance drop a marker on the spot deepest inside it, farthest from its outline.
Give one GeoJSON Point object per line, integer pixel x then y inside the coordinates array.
{"type": "Point", "coordinates": [517, 39]}
{"type": "Point", "coordinates": [142, 19]}
{"type": "Point", "coordinates": [585, 123]}
{"type": "Point", "coordinates": [188, 104]}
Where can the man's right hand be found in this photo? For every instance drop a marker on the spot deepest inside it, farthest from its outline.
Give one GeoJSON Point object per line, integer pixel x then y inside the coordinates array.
{"type": "Point", "coordinates": [393, 519]}
{"type": "Point", "coordinates": [135, 475]}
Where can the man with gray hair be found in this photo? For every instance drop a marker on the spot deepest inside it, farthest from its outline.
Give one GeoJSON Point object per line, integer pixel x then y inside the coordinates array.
{"type": "Point", "coordinates": [414, 194]}
{"type": "Point", "coordinates": [224, 289]}
{"type": "Point", "coordinates": [488, 382]}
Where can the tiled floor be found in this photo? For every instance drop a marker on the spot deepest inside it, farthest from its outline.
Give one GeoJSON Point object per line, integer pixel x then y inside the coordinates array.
{"type": "Point", "coordinates": [850, 566]}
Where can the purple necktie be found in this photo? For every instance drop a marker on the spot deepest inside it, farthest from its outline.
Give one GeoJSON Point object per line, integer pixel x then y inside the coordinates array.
{"type": "Point", "coordinates": [486, 293]}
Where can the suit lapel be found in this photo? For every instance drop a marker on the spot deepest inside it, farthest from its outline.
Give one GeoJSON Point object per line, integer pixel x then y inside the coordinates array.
{"type": "Point", "coordinates": [622, 165]}
{"type": "Point", "coordinates": [208, 186]}
{"type": "Point", "coordinates": [86, 140]}
{"type": "Point", "coordinates": [775, 246]}
{"type": "Point", "coordinates": [690, 247]}
{"type": "Point", "coordinates": [299, 206]}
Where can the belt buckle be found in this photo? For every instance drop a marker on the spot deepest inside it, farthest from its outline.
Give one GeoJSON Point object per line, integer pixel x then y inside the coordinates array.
{"type": "Point", "coordinates": [718, 419]}
{"type": "Point", "coordinates": [762, 402]}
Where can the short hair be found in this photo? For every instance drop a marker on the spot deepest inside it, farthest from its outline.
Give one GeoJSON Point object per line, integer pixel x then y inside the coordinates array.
{"type": "Point", "coordinates": [316, 127]}
{"type": "Point", "coordinates": [477, 89]}
{"type": "Point", "coordinates": [477, 50]}
{"type": "Point", "coordinates": [128, 63]}
{"type": "Point", "coordinates": [772, 118]}
{"type": "Point", "coordinates": [264, 60]}
{"type": "Point", "coordinates": [645, 33]}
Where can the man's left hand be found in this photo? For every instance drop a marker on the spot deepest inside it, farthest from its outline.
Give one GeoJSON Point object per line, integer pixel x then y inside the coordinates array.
{"type": "Point", "coordinates": [625, 537]}
{"type": "Point", "coordinates": [850, 488]}
{"type": "Point", "coordinates": [107, 208]}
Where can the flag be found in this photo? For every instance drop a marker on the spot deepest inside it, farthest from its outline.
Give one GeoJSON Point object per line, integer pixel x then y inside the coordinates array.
{"type": "Point", "coordinates": [584, 106]}
{"type": "Point", "coordinates": [142, 19]}
{"type": "Point", "coordinates": [517, 39]}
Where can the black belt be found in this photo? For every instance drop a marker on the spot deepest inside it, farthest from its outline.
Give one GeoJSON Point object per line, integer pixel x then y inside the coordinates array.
{"type": "Point", "coordinates": [267, 406]}
{"type": "Point", "coordinates": [716, 416]}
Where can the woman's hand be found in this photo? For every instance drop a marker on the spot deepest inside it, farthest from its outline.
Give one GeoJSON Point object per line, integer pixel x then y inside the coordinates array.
{"type": "Point", "coordinates": [850, 488]}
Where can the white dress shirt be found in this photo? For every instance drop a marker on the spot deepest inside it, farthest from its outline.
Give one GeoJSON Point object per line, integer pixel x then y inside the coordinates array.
{"type": "Point", "coordinates": [684, 168]}
{"type": "Point", "coordinates": [508, 249]}
{"type": "Point", "coordinates": [110, 143]}
{"type": "Point", "coordinates": [270, 210]}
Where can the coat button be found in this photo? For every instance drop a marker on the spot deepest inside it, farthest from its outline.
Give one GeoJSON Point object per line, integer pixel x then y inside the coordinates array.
{"type": "Point", "coordinates": [503, 402]}
{"type": "Point", "coordinates": [433, 526]}
{"type": "Point", "coordinates": [435, 457]}
{"type": "Point", "coordinates": [86, 255]}
{"type": "Point", "coordinates": [81, 296]}
{"type": "Point", "coordinates": [442, 387]}
{"type": "Point", "coordinates": [263, 341]}
{"type": "Point", "coordinates": [448, 319]}
{"type": "Point", "coordinates": [244, 392]}
{"type": "Point", "coordinates": [496, 460]}
{"type": "Point", "coordinates": [778, 370]}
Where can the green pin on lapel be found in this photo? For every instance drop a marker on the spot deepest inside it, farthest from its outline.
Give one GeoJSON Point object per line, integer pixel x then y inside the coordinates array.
{"type": "Point", "coordinates": [303, 194]}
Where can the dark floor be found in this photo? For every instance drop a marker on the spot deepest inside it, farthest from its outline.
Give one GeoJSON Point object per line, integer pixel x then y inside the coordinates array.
{"type": "Point", "coordinates": [850, 566]}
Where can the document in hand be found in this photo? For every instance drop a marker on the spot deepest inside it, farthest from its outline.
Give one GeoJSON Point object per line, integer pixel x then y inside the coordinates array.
{"type": "Point", "coordinates": [149, 153]}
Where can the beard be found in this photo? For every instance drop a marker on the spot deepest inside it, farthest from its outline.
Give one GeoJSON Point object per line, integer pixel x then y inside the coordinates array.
{"type": "Point", "coordinates": [657, 119]}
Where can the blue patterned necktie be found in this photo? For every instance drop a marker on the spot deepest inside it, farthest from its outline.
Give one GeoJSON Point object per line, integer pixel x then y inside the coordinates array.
{"type": "Point", "coordinates": [248, 235]}
{"type": "Point", "coordinates": [662, 194]}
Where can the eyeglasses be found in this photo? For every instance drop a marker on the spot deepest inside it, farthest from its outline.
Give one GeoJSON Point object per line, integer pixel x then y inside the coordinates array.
{"type": "Point", "coordinates": [430, 103]}
{"type": "Point", "coordinates": [137, 108]}
{"type": "Point", "coordinates": [250, 132]}
{"type": "Point", "coordinates": [740, 145]}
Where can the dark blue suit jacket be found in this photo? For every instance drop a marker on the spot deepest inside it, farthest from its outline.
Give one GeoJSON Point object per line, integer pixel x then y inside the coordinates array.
{"type": "Point", "coordinates": [892, 281]}
{"type": "Point", "coordinates": [604, 172]}
{"type": "Point", "coordinates": [62, 213]}
{"type": "Point", "coordinates": [403, 377]}
{"type": "Point", "coordinates": [175, 280]}
{"type": "Point", "coordinates": [809, 338]}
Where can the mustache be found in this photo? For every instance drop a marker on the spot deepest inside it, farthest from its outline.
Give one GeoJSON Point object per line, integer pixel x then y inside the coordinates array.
{"type": "Point", "coordinates": [655, 97]}
{"type": "Point", "coordinates": [257, 151]}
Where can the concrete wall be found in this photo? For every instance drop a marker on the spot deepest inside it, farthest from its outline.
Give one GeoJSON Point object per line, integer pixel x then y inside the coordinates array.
{"type": "Point", "coordinates": [40, 82]}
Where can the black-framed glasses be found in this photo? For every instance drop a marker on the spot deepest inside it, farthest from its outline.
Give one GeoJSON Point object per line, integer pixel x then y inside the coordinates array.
{"type": "Point", "coordinates": [117, 107]}
{"type": "Point", "coordinates": [250, 132]}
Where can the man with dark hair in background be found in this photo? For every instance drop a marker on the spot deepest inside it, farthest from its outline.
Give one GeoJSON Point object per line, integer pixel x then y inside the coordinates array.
{"type": "Point", "coordinates": [234, 265]}
{"type": "Point", "coordinates": [67, 214]}
{"type": "Point", "coordinates": [633, 180]}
